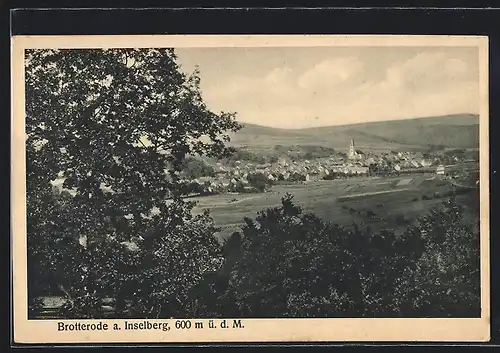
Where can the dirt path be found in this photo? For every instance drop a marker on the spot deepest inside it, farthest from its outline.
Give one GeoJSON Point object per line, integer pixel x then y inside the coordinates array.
{"type": "Point", "coordinates": [463, 185]}
{"type": "Point", "coordinates": [224, 202]}
{"type": "Point", "coordinates": [371, 193]}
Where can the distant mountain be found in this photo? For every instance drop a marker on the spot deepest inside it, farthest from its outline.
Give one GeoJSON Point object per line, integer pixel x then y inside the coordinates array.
{"type": "Point", "coordinates": [454, 131]}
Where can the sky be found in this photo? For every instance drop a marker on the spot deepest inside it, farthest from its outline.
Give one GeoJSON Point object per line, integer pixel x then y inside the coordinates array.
{"type": "Point", "coordinates": [323, 86]}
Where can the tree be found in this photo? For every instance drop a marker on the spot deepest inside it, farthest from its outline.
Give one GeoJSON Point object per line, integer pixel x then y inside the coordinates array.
{"type": "Point", "coordinates": [239, 154]}
{"type": "Point", "coordinates": [308, 155]}
{"type": "Point", "coordinates": [273, 159]}
{"type": "Point", "coordinates": [258, 181]}
{"type": "Point", "coordinates": [116, 125]}
{"type": "Point", "coordinates": [194, 168]}
{"type": "Point", "coordinates": [296, 177]}
{"type": "Point", "coordinates": [448, 273]}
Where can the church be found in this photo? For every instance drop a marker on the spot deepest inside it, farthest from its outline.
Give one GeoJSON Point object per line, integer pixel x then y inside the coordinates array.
{"type": "Point", "coordinates": [355, 154]}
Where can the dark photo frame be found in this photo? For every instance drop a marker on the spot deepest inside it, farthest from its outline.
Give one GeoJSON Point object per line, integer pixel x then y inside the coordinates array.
{"type": "Point", "coordinates": [56, 261]}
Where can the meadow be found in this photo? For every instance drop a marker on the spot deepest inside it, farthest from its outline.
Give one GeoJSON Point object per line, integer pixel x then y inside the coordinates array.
{"type": "Point", "coordinates": [378, 203]}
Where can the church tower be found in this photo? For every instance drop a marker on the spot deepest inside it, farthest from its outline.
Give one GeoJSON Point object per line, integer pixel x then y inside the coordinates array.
{"type": "Point", "coordinates": [352, 150]}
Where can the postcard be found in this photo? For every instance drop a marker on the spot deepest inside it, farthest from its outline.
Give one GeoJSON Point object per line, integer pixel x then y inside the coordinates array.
{"type": "Point", "coordinates": [250, 188]}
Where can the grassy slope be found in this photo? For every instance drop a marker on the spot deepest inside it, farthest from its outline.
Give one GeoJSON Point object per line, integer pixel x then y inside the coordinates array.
{"type": "Point", "coordinates": [458, 131]}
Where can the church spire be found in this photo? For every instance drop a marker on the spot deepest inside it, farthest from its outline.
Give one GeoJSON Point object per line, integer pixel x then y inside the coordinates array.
{"type": "Point", "coordinates": [352, 151]}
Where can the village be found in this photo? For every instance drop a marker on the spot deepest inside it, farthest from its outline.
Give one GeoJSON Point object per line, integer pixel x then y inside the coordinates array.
{"type": "Point", "coordinates": [245, 176]}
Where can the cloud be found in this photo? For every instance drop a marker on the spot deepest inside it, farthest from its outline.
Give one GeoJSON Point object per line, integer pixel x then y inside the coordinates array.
{"type": "Point", "coordinates": [350, 89]}
{"type": "Point", "coordinates": [275, 87]}
{"type": "Point", "coordinates": [429, 69]}
{"type": "Point", "coordinates": [278, 76]}
{"type": "Point", "coordinates": [330, 72]}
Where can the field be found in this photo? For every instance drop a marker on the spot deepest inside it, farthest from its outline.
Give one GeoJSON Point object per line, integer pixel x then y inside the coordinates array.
{"type": "Point", "coordinates": [381, 203]}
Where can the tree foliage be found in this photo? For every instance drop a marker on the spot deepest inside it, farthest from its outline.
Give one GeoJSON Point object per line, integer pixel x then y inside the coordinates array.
{"type": "Point", "coordinates": [194, 168]}
{"type": "Point", "coordinates": [295, 265]}
{"type": "Point", "coordinates": [258, 180]}
{"type": "Point", "coordinates": [449, 269]}
{"type": "Point", "coordinates": [240, 154]}
{"type": "Point", "coordinates": [116, 126]}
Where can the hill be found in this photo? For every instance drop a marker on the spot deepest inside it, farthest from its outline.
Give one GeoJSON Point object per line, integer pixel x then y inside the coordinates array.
{"type": "Point", "coordinates": [454, 131]}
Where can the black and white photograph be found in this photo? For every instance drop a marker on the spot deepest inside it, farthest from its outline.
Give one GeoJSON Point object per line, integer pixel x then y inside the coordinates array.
{"type": "Point", "coordinates": [254, 182]}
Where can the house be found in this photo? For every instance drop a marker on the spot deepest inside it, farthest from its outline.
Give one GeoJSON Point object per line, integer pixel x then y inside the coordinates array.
{"type": "Point", "coordinates": [244, 181]}
{"type": "Point", "coordinates": [426, 163]}
{"type": "Point", "coordinates": [370, 160]}
{"type": "Point", "coordinates": [409, 164]}
{"type": "Point", "coordinates": [203, 180]}
{"type": "Point", "coordinates": [249, 189]}
{"type": "Point", "coordinates": [415, 164]}
{"type": "Point", "coordinates": [397, 167]}
{"type": "Point", "coordinates": [283, 162]}
{"type": "Point", "coordinates": [315, 176]}
{"type": "Point", "coordinates": [440, 170]}
{"type": "Point", "coordinates": [212, 186]}
{"type": "Point", "coordinates": [224, 182]}
{"type": "Point", "coordinates": [356, 169]}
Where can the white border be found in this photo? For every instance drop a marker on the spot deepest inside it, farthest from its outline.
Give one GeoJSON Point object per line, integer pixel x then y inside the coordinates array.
{"type": "Point", "coordinates": [256, 330]}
